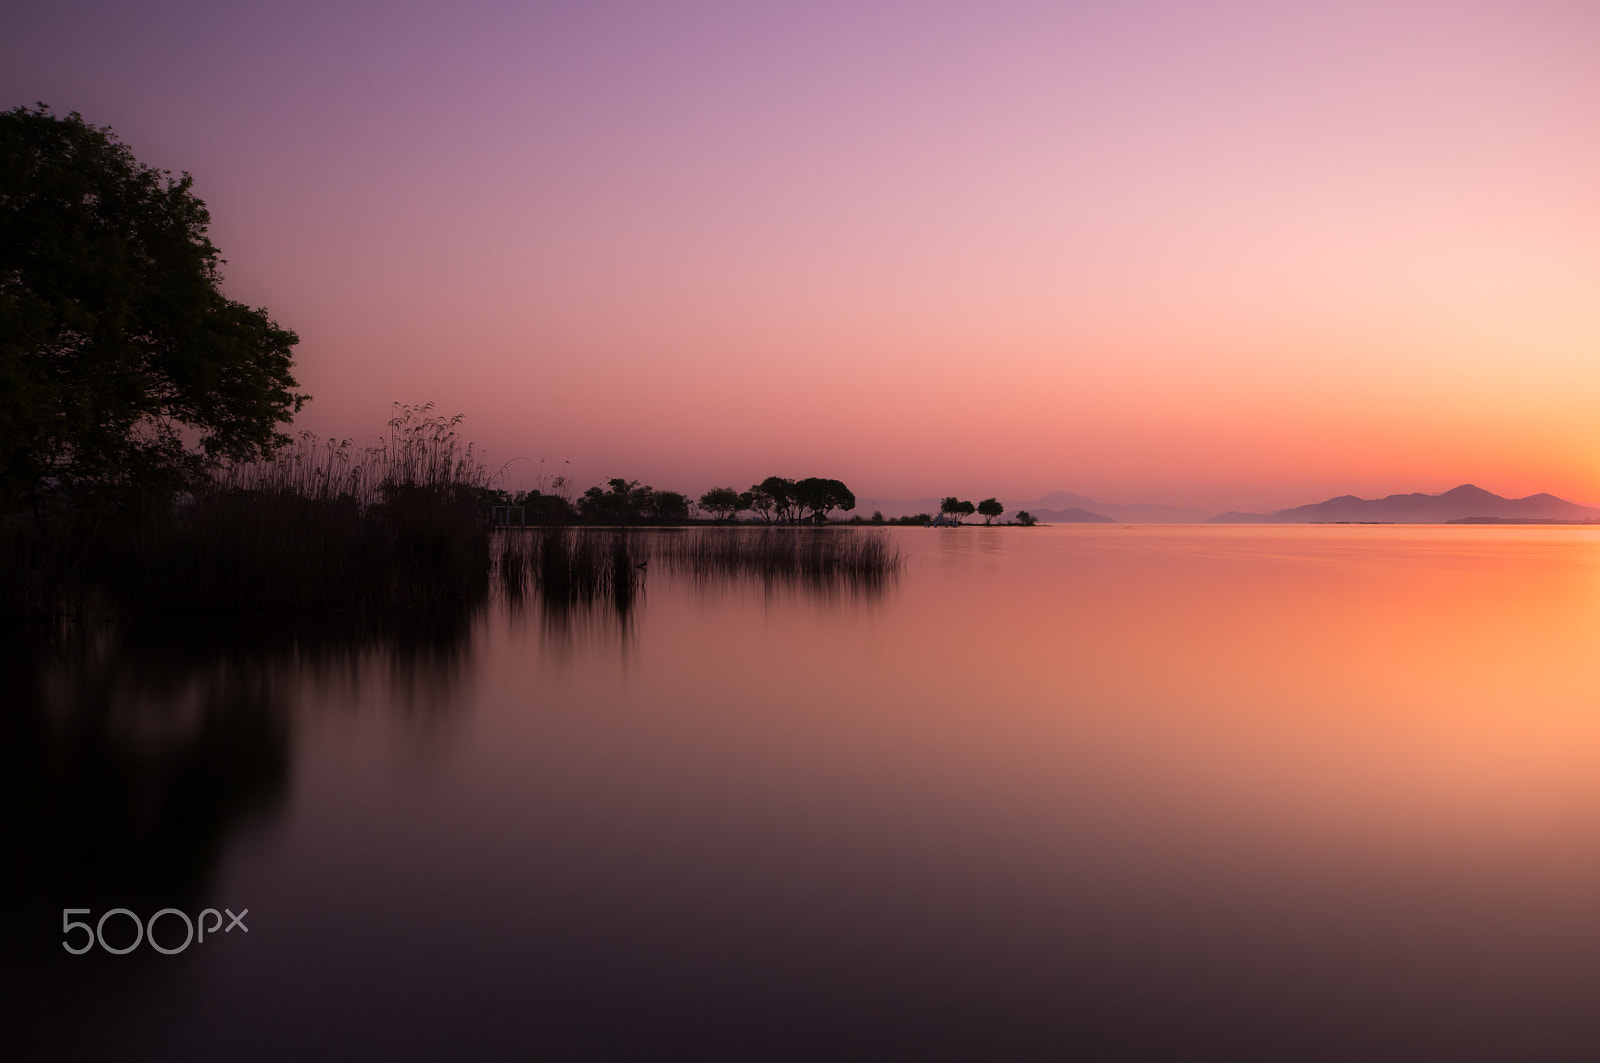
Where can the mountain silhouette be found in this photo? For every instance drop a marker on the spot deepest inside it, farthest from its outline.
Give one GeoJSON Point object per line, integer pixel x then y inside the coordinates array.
{"type": "Point", "coordinates": [1459, 503]}
{"type": "Point", "coordinates": [1060, 500]}
{"type": "Point", "coordinates": [1075, 515]}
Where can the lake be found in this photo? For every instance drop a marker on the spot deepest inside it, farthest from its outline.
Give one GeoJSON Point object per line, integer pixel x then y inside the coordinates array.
{"type": "Point", "coordinates": [1099, 791]}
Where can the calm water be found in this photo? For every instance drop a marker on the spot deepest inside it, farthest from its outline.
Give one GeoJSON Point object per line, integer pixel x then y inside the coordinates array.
{"type": "Point", "coordinates": [1104, 792]}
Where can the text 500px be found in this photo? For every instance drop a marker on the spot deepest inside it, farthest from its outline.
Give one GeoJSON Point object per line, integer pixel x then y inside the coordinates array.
{"type": "Point", "coordinates": [146, 930]}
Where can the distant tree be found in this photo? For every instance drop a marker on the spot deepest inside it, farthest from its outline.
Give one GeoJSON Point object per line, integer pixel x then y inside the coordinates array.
{"type": "Point", "coordinates": [773, 500]}
{"type": "Point", "coordinates": [619, 502]}
{"type": "Point", "coordinates": [781, 491]}
{"type": "Point", "coordinates": [955, 508]}
{"type": "Point", "coordinates": [762, 504]}
{"type": "Point", "coordinates": [627, 502]}
{"type": "Point", "coordinates": [819, 496]}
{"type": "Point", "coordinates": [877, 516]}
{"type": "Point", "coordinates": [668, 507]}
{"type": "Point", "coordinates": [721, 502]}
{"type": "Point", "coordinates": [490, 496]}
{"type": "Point", "coordinates": [122, 364]}
{"type": "Point", "coordinates": [541, 508]}
{"type": "Point", "coordinates": [747, 502]}
{"type": "Point", "coordinates": [1026, 519]}
{"type": "Point", "coordinates": [990, 508]}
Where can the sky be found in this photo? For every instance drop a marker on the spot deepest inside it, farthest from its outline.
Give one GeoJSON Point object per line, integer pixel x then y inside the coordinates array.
{"type": "Point", "coordinates": [1235, 254]}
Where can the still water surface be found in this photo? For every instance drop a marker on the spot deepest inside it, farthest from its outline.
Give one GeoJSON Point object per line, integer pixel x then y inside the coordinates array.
{"type": "Point", "coordinates": [1103, 791]}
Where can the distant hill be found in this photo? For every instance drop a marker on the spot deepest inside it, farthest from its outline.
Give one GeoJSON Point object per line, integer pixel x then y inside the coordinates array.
{"type": "Point", "coordinates": [1074, 515]}
{"type": "Point", "coordinates": [1456, 504]}
{"type": "Point", "coordinates": [1059, 500]}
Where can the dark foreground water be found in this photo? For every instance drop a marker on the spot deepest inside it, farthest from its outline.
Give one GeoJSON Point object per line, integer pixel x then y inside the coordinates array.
{"type": "Point", "coordinates": [1079, 792]}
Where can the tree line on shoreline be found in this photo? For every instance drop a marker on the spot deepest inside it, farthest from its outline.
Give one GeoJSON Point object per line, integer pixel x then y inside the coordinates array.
{"type": "Point", "coordinates": [776, 500]}
{"type": "Point", "coordinates": [135, 380]}
{"type": "Point", "coordinates": [144, 462]}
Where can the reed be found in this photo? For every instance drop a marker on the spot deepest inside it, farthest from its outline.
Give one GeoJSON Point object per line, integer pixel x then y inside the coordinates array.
{"type": "Point", "coordinates": [574, 564]}
{"type": "Point", "coordinates": [322, 525]}
{"type": "Point", "coordinates": [326, 525]}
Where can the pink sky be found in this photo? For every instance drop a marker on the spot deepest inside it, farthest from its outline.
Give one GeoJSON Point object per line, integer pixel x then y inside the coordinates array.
{"type": "Point", "coordinates": [1235, 255]}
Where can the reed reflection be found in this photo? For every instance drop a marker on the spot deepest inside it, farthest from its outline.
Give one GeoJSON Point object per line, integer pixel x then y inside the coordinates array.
{"type": "Point", "coordinates": [587, 584]}
{"type": "Point", "coordinates": [132, 756]}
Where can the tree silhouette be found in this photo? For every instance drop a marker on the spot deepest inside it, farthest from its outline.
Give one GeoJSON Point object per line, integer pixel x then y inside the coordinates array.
{"type": "Point", "coordinates": [955, 508]}
{"type": "Point", "coordinates": [723, 503]}
{"type": "Point", "coordinates": [122, 364]}
{"type": "Point", "coordinates": [626, 502]}
{"type": "Point", "coordinates": [820, 495]}
{"type": "Point", "coordinates": [773, 499]}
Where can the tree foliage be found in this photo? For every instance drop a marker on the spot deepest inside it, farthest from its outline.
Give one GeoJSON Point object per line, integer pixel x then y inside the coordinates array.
{"type": "Point", "coordinates": [819, 496]}
{"type": "Point", "coordinates": [627, 502]}
{"type": "Point", "coordinates": [989, 509]}
{"type": "Point", "coordinates": [723, 503]}
{"type": "Point", "coordinates": [541, 508]}
{"type": "Point", "coordinates": [779, 500]}
{"type": "Point", "coordinates": [121, 361]}
{"type": "Point", "coordinates": [668, 506]}
{"type": "Point", "coordinates": [955, 508]}
{"type": "Point", "coordinates": [773, 500]}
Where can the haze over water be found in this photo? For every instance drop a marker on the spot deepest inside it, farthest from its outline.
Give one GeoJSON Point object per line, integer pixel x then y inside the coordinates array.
{"type": "Point", "coordinates": [1279, 792]}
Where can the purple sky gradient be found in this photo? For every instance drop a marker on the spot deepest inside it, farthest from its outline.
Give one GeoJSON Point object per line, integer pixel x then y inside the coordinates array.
{"type": "Point", "coordinates": [1237, 255]}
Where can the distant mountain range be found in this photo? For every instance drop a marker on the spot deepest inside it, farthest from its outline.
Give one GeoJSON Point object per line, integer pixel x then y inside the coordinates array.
{"type": "Point", "coordinates": [1464, 503]}
{"type": "Point", "coordinates": [1458, 503]}
{"type": "Point", "coordinates": [1075, 515]}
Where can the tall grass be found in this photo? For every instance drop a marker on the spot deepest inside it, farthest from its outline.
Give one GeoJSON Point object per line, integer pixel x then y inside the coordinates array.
{"type": "Point", "coordinates": [571, 566]}
{"type": "Point", "coordinates": [327, 525]}
{"type": "Point", "coordinates": [322, 525]}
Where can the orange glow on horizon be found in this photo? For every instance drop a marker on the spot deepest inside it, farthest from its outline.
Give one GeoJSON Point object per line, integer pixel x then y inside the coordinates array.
{"type": "Point", "coordinates": [1234, 254]}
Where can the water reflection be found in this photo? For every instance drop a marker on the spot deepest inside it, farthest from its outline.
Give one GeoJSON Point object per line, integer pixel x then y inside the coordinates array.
{"type": "Point", "coordinates": [580, 589]}
{"type": "Point", "coordinates": [568, 629]}
{"type": "Point", "coordinates": [132, 756]}
{"type": "Point", "coordinates": [1105, 792]}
